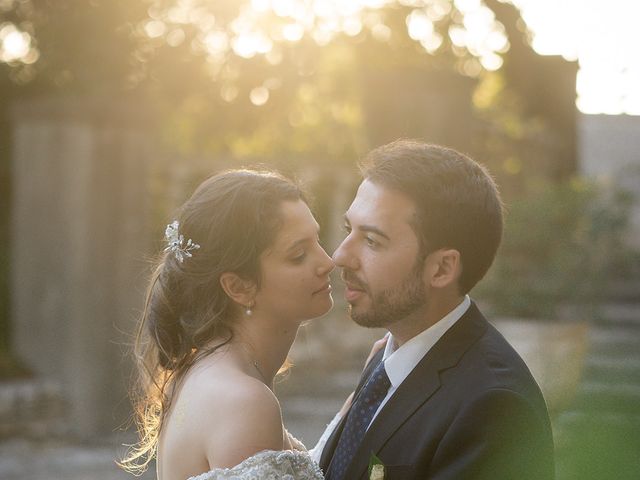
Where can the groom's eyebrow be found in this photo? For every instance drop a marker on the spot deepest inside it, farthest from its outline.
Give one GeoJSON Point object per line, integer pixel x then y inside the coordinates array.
{"type": "Point", "coordinates": [372, 229]}
{"type": "Point", "coordinates": [367, 228]}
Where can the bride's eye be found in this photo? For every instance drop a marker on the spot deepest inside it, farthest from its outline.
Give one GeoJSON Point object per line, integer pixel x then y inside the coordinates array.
{"type": "Point", "coordinates": [300, 258]}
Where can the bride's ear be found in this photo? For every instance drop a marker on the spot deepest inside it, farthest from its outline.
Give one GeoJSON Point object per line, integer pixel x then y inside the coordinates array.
{"type": "Point", "coordinates": [239, 290]}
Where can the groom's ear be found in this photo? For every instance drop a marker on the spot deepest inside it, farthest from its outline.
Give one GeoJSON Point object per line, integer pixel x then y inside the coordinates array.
{"type": "Point", "coordinates": [443, 268]}
{"type": "Point", "coordinates": [239, 290]}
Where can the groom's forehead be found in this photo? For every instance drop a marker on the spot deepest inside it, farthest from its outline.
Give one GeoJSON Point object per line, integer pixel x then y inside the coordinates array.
{"type": "Point", "coordinates": [375, 202]}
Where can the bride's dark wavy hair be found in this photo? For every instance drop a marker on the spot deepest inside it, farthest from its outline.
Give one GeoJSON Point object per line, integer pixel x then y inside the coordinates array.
{"type": "Point", "coordinates": [234, 216]}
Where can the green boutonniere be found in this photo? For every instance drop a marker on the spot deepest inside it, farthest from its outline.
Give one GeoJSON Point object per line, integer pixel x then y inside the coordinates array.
{"type": "Point", "coordinates": [376, 468]}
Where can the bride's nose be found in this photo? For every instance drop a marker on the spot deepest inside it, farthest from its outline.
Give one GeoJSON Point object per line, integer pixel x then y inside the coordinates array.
{"type": "Point", "coordinates": [326, 265]}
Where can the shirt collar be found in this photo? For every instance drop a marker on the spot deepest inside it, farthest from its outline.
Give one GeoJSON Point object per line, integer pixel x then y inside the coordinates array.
{"type": "Point", "coordinates": [399, 362]}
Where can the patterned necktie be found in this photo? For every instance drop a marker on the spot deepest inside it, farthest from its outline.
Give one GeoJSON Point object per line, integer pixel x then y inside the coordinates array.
{"type": "Point", "coordinates": [358, 420]}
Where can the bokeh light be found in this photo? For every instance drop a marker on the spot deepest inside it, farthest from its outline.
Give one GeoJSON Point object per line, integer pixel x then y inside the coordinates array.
{"type": "Point", "coordinates": [595, 33]}
{"type": "Point", "coordinates": [260, 27]}
{"type": "Point", "coordinates": [16, 45]}
{"type": "Point", "coordinates": [259, 95]}
{"type": "Point", "coordinates": [602, 36]}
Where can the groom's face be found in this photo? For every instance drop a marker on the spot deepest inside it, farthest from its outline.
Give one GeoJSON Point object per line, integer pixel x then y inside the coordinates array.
{"type": "Point", "coordinates": [379, 257]}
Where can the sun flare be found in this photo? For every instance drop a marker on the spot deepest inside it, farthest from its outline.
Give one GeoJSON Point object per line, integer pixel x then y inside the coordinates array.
{"type": "Point", "coordinates": [602, 36]}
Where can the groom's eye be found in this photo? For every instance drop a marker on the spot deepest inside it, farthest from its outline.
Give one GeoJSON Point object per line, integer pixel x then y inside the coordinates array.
{"type": "Point", "coordinates": [346, 228]}
{"type": "Point", "coordinates": [370, 241]}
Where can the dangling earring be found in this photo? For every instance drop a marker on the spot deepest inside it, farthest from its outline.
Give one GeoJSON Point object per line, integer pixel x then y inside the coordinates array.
{"type": "Point", "coordinates": [248, 310]}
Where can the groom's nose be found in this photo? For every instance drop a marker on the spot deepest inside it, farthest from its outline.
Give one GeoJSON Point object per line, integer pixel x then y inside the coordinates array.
{"type": "Point", "coordinates": [344, 256]}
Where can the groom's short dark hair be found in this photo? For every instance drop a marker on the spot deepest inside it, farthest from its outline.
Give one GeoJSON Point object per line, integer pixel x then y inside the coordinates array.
{"type": "Point", "coordinates": [457, 202]}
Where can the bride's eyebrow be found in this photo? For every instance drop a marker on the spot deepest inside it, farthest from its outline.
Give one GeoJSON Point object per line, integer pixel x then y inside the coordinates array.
{"type": "Point", "coordinates": [301, 241]}
{"type": "Point", "coordinates": [297, 243]}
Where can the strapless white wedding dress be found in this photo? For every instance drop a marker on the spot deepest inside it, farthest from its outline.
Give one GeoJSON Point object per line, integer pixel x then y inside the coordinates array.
{"type": "Point", "coordinates": [297, 464]}
{"type": "Point", "coordinates": [269, 465]}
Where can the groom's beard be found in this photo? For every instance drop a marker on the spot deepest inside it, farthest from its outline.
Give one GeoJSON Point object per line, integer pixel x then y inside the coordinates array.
{"type": "Point", "coordinates": [393, 304]}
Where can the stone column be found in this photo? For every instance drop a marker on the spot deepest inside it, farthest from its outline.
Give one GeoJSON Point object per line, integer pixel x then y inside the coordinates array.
{"type": "Point", "coordinates": [79, 236]}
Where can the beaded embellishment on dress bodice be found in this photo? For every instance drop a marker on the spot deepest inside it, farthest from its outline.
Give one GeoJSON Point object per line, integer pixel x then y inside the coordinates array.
{"type": "Point", "coordinates": [269, 465]}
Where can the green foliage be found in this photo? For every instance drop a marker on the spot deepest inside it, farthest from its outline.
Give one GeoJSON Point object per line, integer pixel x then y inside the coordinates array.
{"type": "Point", "coordinates": [314, 109]}
{"type": "Point", "coordinates": [562, 244]}
{"type": "Point", "coordinates": [597, 448]}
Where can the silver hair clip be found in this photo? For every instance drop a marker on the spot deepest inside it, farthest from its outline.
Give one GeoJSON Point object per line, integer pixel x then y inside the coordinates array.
{"type": "Point", "coordinates": [176, 244]}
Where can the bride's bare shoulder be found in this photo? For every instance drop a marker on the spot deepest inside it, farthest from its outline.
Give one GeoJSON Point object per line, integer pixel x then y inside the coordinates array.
{"type": "Point", "coordinates": [234, 414]}
{"type": "Point", "coordinates": [219, 416]}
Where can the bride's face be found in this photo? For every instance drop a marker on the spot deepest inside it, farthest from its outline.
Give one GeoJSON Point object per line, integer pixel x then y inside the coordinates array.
{"type": "Point", "coordinates": [295, 269]}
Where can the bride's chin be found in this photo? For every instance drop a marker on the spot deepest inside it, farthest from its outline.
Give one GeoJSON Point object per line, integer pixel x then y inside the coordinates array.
{"type": "Point", "coordinates": [320, 312]}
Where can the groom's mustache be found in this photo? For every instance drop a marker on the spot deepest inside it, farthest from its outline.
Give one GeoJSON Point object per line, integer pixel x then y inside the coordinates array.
{"type": "Point", "coordinates": [349, 277]}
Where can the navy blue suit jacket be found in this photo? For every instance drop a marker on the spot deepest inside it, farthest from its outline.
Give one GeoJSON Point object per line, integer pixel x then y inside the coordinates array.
{"type": "Point", "coordinates": [469, 410]}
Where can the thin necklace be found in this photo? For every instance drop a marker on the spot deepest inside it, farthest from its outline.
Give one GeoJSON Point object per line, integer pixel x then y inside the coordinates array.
{"type": "Point", "coordinates": [255, 364]}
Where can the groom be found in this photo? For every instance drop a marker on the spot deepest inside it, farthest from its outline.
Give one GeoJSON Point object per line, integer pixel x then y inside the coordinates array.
{"type": "Point", "coordinates": [448, 397]}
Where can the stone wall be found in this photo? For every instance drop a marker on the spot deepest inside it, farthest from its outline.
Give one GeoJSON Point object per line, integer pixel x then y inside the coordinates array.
{"type": "Point", "coordinates": [609, 148]}
{"type": "Point", "coordinates": [32, 408]}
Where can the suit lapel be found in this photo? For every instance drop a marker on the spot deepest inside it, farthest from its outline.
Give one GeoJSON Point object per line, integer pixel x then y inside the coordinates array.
{"type": "Point", "coordinates": [419, 386]}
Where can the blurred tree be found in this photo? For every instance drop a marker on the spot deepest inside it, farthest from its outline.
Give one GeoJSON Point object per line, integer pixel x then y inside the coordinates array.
{"type": "Point", "coordinates": [251, 78]}
{"type": "Point", "coordinates": [535, 109]}
{"type": "Point", "coordinates": [293, 82]}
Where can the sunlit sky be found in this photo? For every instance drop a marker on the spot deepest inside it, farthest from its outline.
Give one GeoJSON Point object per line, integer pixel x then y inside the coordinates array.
{"type": "Point", "coordinates": [603, 36]}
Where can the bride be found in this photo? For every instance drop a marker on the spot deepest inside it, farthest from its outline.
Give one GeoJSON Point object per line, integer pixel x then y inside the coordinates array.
{"type": "Point", "coordinates": [242, 269]}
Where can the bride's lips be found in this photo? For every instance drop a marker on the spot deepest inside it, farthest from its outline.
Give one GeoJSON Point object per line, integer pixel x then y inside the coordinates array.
{"type": "Point", "coordinates": [326, 288]}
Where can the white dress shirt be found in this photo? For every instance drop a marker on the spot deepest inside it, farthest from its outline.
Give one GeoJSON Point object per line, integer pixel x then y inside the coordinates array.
{"type": "Point", "coordinates": [400, 362]}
